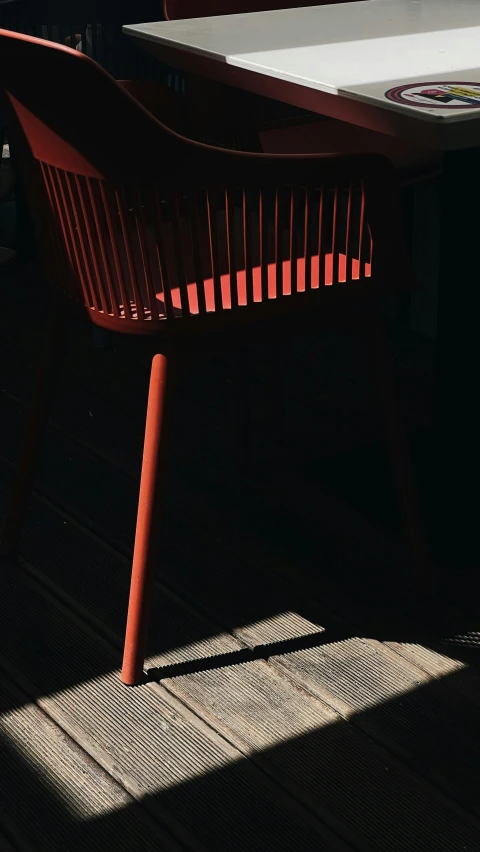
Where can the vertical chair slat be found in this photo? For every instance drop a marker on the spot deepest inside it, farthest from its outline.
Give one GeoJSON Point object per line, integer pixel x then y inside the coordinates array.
{"type": "Point", "coordinates": [144, 253]}
{"type": "Point", "coordinates": [308, 239]}
{"type": "Point", "coordinates": [177, 245]}
{"type": "Point", "coordinates": [69, 206]}
{"type": "Point", "coordinates": [370, 246]}
{"type": "Point", "coordinates": [278, 245]}
{"type": "Point", "coordinates": [91, 248]}
{"type": "Point", "coordinates": [71, 212]}
{"type": "Point", "coordinates": [370, 235]}
{"type": "Point", "coordinates": [197, 257]}
{"type": "Point", "coordinates": [231, 247]}
{"type": "Point", "coordinates": [158, 221]}
{"type": "Point", "coordinates": [103, 252]}
{"type": "Point", "coordinates": [335, 240]}
{"type": "Point", "coordinates": [213, 244]}
{"type": "Point", "coordinates": [71, 181]}
{"type": "Point", "coordinates": [122, 203]}
{"type": "Point", "coordinates": [320, 244]}
{"type": "Point", "coordinates": [263, 238]}
{"type": "Point", "coordinates": [361, 226]}
{"type": "Point", "coordinates": [293, 253]}
{"type": "Point", "coordinates": [57, 208]}
{"type": "Point", "coordinates": [348, 271]}
{"type": "Point", "coordinates": [247, 244]}
{"type": "Point", "coordinates": [108, 200]}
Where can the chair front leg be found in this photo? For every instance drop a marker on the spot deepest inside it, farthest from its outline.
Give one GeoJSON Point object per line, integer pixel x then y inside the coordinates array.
{"type": "Point", "coordinates": [148, 519]}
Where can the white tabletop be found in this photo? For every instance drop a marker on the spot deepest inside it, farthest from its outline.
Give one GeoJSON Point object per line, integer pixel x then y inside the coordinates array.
{"type": "Point", "coordinates": [357, 51]}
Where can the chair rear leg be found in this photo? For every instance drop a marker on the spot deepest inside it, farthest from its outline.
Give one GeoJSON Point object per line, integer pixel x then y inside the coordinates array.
{"type": "Point", "coordinates": [381, 368]}
{"type": "Point", "coordinates": [37, 423]}
{"type": "Point", "coordinates": [148, 519]}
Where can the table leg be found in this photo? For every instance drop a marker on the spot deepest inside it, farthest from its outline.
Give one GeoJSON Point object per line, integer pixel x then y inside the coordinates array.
{"type": "Point", "coordinates": [457, 413]}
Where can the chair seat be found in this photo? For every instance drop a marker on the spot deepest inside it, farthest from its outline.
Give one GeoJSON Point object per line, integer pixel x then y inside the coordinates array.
{"type": "Point", "coordinates": [331, 136]}
{"type": "Point", "coordinates": [141, 279]}
{"type": "Point", "coordinates": [273, 292]}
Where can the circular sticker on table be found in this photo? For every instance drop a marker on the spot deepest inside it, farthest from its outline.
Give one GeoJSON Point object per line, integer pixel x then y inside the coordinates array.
{"type": "Point", "coordinates": [445, 95]}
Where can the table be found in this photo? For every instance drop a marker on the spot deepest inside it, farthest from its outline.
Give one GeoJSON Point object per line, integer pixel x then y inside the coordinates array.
{"type": "Point", "coordinates": [408, 68]}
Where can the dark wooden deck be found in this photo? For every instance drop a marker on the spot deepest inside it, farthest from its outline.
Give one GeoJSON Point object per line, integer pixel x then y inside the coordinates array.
{"type": "Point", "coordinates": [300, 703]}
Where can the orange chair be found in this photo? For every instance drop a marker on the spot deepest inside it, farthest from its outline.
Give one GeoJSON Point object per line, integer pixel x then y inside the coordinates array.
{"type": "Point", "coordinates": [190, 243]}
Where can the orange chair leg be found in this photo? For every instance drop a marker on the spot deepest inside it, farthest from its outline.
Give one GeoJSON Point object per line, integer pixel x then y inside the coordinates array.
{"type": "Point", "coordinates": [148, 521]}
{"type": "Point", "coordinates": [398, 451]}
{"type": "Point", "coordinates": [37, 423]}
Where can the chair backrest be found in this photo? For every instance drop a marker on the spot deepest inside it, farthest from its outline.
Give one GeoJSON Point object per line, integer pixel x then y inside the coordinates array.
{"type": "Point", "coordinates": [183, 230]}
{"type": "Point", "coordinates": [179, 9]}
